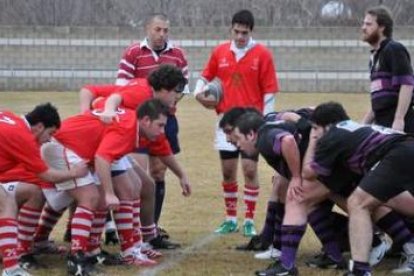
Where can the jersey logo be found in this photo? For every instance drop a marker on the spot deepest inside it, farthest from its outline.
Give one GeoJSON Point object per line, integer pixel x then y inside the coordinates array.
{"type": "Point", "coordinates": [223, 63]}
{"type": "Point", "coordinates": [6, 120]}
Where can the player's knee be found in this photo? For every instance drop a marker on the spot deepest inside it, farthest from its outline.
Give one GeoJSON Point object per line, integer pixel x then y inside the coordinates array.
{"type": "Point", "coordinates": [356, 202]}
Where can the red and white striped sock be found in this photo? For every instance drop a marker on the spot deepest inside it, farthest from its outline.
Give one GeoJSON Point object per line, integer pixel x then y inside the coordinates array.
{"type": "Point", "coordinates": [27, 222]}
{"type": "Point", "coordinates": [251, 193]}
{"type": "Point", "coordinates": [8, 242]}
{"type": "Point", "coordinates": [97, 228]}
{"type": "Point", "coordinates": [136, 205]}
{"type": "Point", "coordinates": [123, 219]}
{"type": "Point", "coordinates": [47, 222]}
{"type": "Point", "coordinates": [230, 199]}
{"type": "Point", "coordinates": [149, 232]}
{"type": "Point", "coordinates": [81, 229]}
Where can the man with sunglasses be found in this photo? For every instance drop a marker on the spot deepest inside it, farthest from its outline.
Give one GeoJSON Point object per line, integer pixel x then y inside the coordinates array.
{"type": "Point", "coordinates": [248, 78]}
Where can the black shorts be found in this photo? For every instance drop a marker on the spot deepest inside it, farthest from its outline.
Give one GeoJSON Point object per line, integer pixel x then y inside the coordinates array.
{"type": "Point", "coordinates": [342, 181]}
{"type": "Point", "coordinates": [171, 132]}
{"type": "Point", "coordinates": [224, 155]}
{"type": "Point", "coordinates": [392, 175]}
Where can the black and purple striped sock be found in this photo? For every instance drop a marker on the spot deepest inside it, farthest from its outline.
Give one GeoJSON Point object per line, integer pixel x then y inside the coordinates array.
{"type": "Point", "coordinates": [360, 267]}
{"type": "Point", "coordinates": [277, 236]}
{"type": "Point", "coordinates": [320, 221]}
{"type": "Point", "coordinates": [291, 236]}
{"type": "Point", "coordinates": [395, 227]}
{"type": "Point", "coordinates": [268, 227]}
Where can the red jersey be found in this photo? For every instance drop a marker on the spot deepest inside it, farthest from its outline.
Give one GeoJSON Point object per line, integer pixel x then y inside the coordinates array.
{"type": "Point", "coordinates": [19, 173]}
{"type": "Point", "coordinates": [88, 136]}
{"type": "Point", "coordinates": [133, 94]}
{"type": "Point", "coordinates": [18, 145]}
{"type": "Point", "coordinates": [138, 61]}
{"type": "Point", "coordinates": [245, 82]}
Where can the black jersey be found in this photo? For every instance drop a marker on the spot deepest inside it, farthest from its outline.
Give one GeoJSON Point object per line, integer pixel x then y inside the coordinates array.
{"type": "Point", "coordinates": [269, 142]}
{"type": "Point", "coordinates": [356, 146]}
{"type": "Point", "coordinates": [390, 68]}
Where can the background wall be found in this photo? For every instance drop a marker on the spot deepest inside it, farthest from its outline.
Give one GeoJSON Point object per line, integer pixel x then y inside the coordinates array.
{"type": "Point", "coordinates": [319, 51]}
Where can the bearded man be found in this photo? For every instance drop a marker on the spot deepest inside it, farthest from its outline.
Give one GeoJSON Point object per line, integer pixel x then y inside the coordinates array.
{"type": "Point", "coordinates": [392, 79]}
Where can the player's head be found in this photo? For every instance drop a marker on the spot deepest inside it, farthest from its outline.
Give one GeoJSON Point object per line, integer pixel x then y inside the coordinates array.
{"type": "Point", "coordinates": [152, 116]}
{"type": "Point", "coordinates": [157, 26]}
{"type": "Point", "coordinates": [329, 113]}
{"type": "Point", "coordinates": [377, 23]}
{"type": "Point", "coordinates": [242, 25]}
{"type": "Point", "coordinates": [245, 131]}
{"type": "Point", "coordinates": [229, 119]}
{"type": "Point", "coordinates": [44, 120]}
{"type": "Point", "coordinates": [168, 82]}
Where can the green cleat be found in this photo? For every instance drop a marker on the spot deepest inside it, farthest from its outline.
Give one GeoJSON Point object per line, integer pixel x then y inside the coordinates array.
{"type": "Point", "coordinates": [228, 226]}
{"type": "Point", "coordinates": [248, 229]}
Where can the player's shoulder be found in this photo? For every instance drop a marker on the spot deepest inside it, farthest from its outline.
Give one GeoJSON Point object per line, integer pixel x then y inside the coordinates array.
{"type": "Point", "coordinates": [134, 48]}
{"type": "Point", "coordinates": [262, 49]}
{"type": "Point", "coordinates": [394, 45]}
{"type": "Point", "coordinates": [222, 46]}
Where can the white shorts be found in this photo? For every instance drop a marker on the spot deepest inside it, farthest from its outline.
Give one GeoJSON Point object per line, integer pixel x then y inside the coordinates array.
{"type": "Point", "coordinates": [121, 164]}
{"type": "Point", "coordinates": [220, 141]}
{"type": "Point", "coordinates": [59, 157]}
{"type": "Point", "coordinates": [57, 200]}
{"type": "Point", "coordinates": [10, 188]}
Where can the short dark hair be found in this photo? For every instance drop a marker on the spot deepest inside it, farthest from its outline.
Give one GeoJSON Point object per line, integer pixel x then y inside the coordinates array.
{"type": "Point", "coordinates": [151, 17]}
{"type": "Point", "coordinates": [153, 108]}
{"type": "Point", "coordinates": [46, 114]}
{"type": "Point", "coordinates": [249, 121]}
{"type": "Point", "coordinates": [168, 77]}
{"type": "Point", "coordinates": [230, 117]}
{"type": "Point", "coordinates": [243, 17]}
{"type": "Point", "coordinates": [329, 113]}
{"type": "Point", "coordinates": [384, 19]}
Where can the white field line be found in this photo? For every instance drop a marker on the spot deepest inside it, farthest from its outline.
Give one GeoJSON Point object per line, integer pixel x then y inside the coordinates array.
{"type": "Point", "coordinates": [175, 259]}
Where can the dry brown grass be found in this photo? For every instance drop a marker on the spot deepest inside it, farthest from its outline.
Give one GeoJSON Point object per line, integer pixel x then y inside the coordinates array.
{"type": "Point", "coordinates": [192, 220]}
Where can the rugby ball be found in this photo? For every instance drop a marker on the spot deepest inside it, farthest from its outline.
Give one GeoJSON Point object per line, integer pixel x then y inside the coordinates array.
{"type": "Point", "coordinates": [211, 94]}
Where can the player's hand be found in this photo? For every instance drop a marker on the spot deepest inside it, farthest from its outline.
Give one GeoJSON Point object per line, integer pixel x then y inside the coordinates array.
{"type": "Point", "coordinates": [295, 190]}
{"type": "Point", "coordinates": [398, 124]}
{"type": "Point", "coordinates": [80, 169]}
{"type": "Point", "coordinates": [108, 117]}
{"type": "Point", "coordinates": [111, 201]}
{"type": "Point", "coordinates": [185, 186]}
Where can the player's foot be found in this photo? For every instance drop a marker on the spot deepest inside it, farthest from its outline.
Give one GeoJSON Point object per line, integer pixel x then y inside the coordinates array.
{"type": "Point", "coordinates": [254, 244]}
{"type": "Point", "coordinates": [29, 262]}
{"type": "Point", "coordinates": [136, 258]}
{"type": "Point", "coordinates": [162, 243]}
{"type": "Point", "coordinates": [248, 229]}
{"type": "Point", "coordinates": [163, 233]}
{"type": "Point", "coordinates": [270, 253]}
{"type": "Point", "coordinates": [378, 252]}
{"type": "Point", "coordinates": [111, 237]}
{"type": "Point", "coordinates": [324, 261]}
{"type": "Point", "coordinates": [406, 265]}
{"type": "Point", "coordinates": [16, 271]}
{"type": "Point", "coordinates": [78, 265]}
{"type": "Point", "coordinates": [147, 249]}
{"type": "Point", "coordinates": [105, 258]}
{"type": "Point", "coordinates": [228, 226]}
{"type": "Point", "coordinates": [277, 269]}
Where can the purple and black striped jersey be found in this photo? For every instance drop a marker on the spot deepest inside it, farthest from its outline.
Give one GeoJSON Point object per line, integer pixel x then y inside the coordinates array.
{"type": "Point", "coordinates": [358, 147]}
{"type": "Point", "coordinates": [390, 68]}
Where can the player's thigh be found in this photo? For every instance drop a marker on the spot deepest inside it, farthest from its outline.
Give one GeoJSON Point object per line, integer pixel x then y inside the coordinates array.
{"type": "Point", "coordinates": [26, 192]}
{"type": "Point", "coordinates": [157, 168]}
{"type": "Point", "coordinates": [403, 203]}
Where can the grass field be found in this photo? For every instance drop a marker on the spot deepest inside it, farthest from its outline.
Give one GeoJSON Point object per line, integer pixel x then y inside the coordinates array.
{"type": "Point", "coordinates": [192, 220]}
